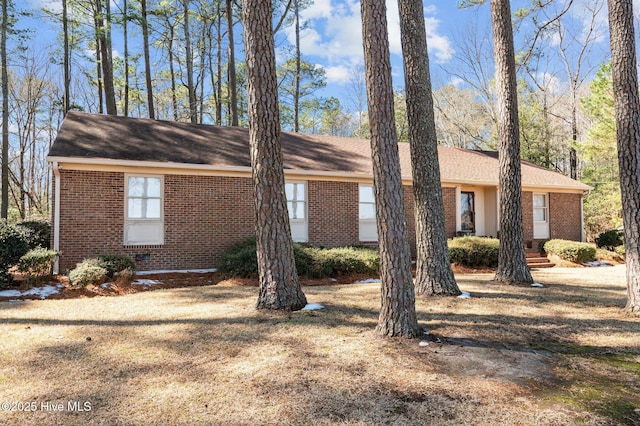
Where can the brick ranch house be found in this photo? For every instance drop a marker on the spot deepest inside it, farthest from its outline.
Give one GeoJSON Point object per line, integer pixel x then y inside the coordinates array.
{"type": "Point", "coordinates": [175, 195]}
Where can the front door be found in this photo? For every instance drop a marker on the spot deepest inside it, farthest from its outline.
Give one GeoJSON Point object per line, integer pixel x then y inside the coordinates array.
{"type": "Point", "coordinates": [467, 213]}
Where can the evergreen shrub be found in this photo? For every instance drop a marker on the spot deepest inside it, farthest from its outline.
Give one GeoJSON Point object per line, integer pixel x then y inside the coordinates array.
{"type": "Point", "coordinates": [474, 251]}
{"type": "Point", "coordinates": [571, 251]}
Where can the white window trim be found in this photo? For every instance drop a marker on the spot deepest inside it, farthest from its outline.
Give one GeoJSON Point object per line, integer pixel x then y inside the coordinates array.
{"type": "Point", "coordinates": [368, 222]}
{"type": "Point", "coordinates": [306, 200]}
{"type": "Point", "coordinates": [128, 221]}
{"type": "Point", "coordinates": [546, 207]}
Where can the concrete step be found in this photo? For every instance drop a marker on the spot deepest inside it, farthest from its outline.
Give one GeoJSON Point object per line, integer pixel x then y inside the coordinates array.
{"type": "Point", "coordinates": [541, 265]}
{"type": "Point", "coordinates": [538, 259]}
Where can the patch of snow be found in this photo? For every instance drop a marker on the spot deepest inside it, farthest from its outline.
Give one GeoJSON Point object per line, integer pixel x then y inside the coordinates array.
{"type": "Point", "coordinates": [41, 292]}
{"type": "Point", "coordinates": [146, 282]}
{"type": "Point", "coordinates": [465, 295]}
{"type": "Point", "coordinates": [423, 343]}
{"type": "Point", "coordinates": [333, 279]}
{"type": "Point", "coordinates": [369, 281]}
{"type": "Point", "coordinates": [181, 271]}
{"type": "Point", "coordinates": [313, 307]}
{"type": "Point", "coordinates": [106, 285]}
{"type": "Point", "coordinates": [597, 264]}
{"type": "Point", "coordinates": [10, 293]}
{"type": "Point", "coordinates": [15, 300]}
{"type": "Point", "coordinates": [537, 285]}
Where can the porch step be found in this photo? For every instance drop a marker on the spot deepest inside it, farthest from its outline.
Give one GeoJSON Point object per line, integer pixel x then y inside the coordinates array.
{"type": "Point", "coordinates": [535, 259]}
{"type": "Point", "coordinates": [541, 265]}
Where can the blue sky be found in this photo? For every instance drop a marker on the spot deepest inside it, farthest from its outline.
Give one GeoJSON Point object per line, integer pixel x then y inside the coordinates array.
{"type": "Point", "coordinates": [332, 37]}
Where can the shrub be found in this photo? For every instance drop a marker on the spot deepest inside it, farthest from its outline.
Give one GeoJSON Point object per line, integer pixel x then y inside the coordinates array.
{"type": "Point", "coordinates": [13, 245]}
{"type": "Point", "coordinates": [240, 260]}
{"type": "Point", "coordinates": [38, 233]}
{"type": "Point", "coordinates": [37, 262]}
{"type": "Point", "coordinates": [474, 251]}
{"type": "Point", "coordinates": [571, 251]}
{"type": "Point", "coordinates": [621, 251]}
{"type": "Point", "coordinates": [87, 272]}
{"type": "Point", "coordinates": [608, 255]}
{"type": "Point", "coordinates": [342, 261]}
{"type": "Point", "coordinates": [610, 239]}
{"type": "Point", "coordinates": [115, 263]}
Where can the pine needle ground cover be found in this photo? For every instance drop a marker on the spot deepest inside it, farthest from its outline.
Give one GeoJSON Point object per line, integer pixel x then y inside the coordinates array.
{"type": "Point", "coordinates": [558, 354]}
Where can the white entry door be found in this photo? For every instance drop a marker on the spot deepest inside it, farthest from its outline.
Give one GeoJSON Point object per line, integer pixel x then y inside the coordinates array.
{"type": "Point", "coordinates": [540, 216]}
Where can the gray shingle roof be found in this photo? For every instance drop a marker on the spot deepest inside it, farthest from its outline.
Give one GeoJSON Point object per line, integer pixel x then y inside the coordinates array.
{"type": "Point", "coordinates": [94, 136]}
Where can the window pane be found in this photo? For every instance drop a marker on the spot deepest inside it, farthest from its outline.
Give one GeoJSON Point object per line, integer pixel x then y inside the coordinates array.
{"type": "Point", "coordinates": [367, 211]}
{"type": "Point", "coordinates": [288, 190]}
{"type": "Point", "coordinates": [300, 191]}
{"type": "Point", "coordinates": [153, 187]}
{"type": "Point", "coordinates": [366, 194]}
{"type": "Point", "coordinates": [540, 215]}
{"type": "Point", "coordinates": [539, 200]}
{"type": "Point", "coordinates": [299, 210]}
{"type": "Point", "coordinates": [136, 187]}
{"type": "Point", "coordinates": [153, 208]}
{"type": "Point", "coordinates": [135, 208]}
{"type": "Point", "coordinates": [292, 211]}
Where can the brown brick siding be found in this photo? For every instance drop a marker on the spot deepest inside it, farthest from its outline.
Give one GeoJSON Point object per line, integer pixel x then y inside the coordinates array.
{"type": "Point", "coordinates": [203, 215]}
{"type": "Point", "coordinates": [333, 213]}
{"type": "Point", "coordinates": [449, 201]}
{"type": "Point", "coordinates": [527, 216]}
{"type": "Point", "coordinates": [565, 221]}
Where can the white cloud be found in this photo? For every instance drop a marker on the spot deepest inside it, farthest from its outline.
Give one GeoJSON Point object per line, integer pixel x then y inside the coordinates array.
{"type": "Point", "coordinates": [550, 82]}
{"type": "Point", "coordinates": [52, 5]}
{"type": "Point", "coordinates": [457, 82]}
{"type": "Point", "coordinates": [334, 32]}
{"type": "Point", "coordinates": [338, 74]}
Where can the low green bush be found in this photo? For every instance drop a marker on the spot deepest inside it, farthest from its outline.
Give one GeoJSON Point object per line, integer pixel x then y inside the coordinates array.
{"type": "Point", "coordinates": [342, 261]}
{"type": "Point", "coordinates": [115, 263]}
{"type": "Point", "coordinates": [474, 251]}
{"type": "Point", "coordinates": [87, 272]}
{"type": "Point", "coordinates": [38, 233]}
{"type": "Point", "coordinates": [37, 262]}
{"type": "Point", "coordinates": [571, 251]}
{"type": "Point", "coordinates": [13, 245]}
{"type": "Point", "coordinates": [240, 260]}
{"type": "Point", "coordinates": [608, 256]}
{"type": "Point", "coordinates": [610, 239]}
{"type": "Point", "coordinates": [621, 251]}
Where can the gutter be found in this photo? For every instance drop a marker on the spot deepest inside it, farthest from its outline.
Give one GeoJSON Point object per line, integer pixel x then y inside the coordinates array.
{"type": "Point", "coordinates": [56, 215]}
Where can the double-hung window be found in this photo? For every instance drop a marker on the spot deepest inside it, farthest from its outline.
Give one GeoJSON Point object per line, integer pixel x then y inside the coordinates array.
{"type": "Point", "coordinates": [367, 214]}
{"type": "Point", "coordinates": [144, 213]}
{"type": "Point", "coordinates": [296, 193]}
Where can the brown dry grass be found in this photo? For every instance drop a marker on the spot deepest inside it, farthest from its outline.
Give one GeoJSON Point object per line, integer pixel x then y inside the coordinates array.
{"type": "Point", "coordinates": [563, 354]}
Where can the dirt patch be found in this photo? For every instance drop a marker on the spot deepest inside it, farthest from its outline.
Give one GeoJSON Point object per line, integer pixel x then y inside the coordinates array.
{"type": "Point", "coordinates": [118, 287]}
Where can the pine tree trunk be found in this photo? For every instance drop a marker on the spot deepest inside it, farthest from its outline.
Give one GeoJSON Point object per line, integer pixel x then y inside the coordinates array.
{"type": "Point", "coordinates": [172, 72]}
{"type": "Point", "coordinates": [219, 66]}
{"type": "Point", "coordinates": [512, 263]}
{"type": "Point", "coordinates": [397, 313]}
{"type": "Point", "coordinates": [279, 283]}
{"type": "Point", "coordinates": [296, 77]}
{"type": "Point", "coordinates": [65, 61]}
{"type": "Point", "coordinates": [193, 114]}
{"type": "Point", "coordinates": [147, 60]}
{"type": "Point", "coordinates": [4, 198]}
{"type": "Point", "coordinates": [627, 110]}
{"type": "Point", "coordinates": [433, 267]}
{"type": "Point", "coordinates": [231, 68]}
{"type": "Point", "coordinates": [104, 41]}
{"type": "Point", "coordinates": [125, 35]}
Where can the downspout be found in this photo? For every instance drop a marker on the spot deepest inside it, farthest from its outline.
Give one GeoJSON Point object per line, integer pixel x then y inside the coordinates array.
{"type": "Point", "coordinates": [56, 215]}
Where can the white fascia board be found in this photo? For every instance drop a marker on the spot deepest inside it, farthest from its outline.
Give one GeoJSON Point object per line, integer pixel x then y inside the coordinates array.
{"type": "Point", "coordinates": [106, 164]}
